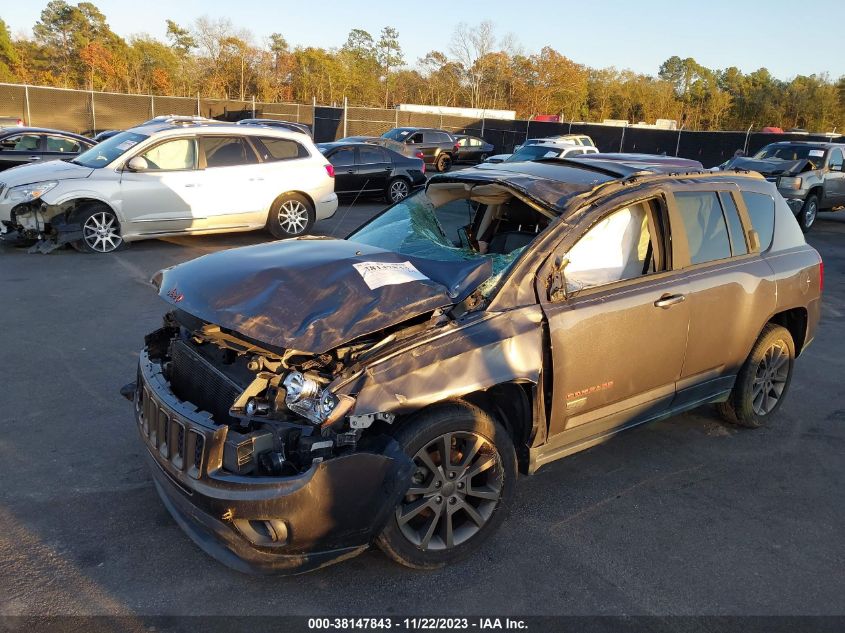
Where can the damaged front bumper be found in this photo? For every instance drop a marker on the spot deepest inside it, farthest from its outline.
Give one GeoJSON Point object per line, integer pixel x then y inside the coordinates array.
{"type": "Point", "coordinates": [291, 524]}
{"type": "Point", "coordinates": [45, 225]}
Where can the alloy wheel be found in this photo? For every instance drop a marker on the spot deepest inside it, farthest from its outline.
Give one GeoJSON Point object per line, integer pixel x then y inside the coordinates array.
{"type": "Point", "coordinates": [770, 379]}
{"type": "Point", "coordinates": [810, 214]}
{"type": "Point", "coordinates": [293, 216]}
{"type": "Point", "coordinates": [454, 491]}
{"type": "Point", "coordinates": [101, 232]}
{"type": "Point", "coordinates": [398, 190]}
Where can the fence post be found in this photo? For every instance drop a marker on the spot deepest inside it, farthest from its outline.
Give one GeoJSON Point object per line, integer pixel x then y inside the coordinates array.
{"type": "Point", "coordinates": [26, 100]}
{"type": "Point", "coordinates": [441, 120]}
{"type": "Point", "coordinates": [482, 127]}
{"type": "Point", "coordinates": [152, 107]}
{"type": "Point", "coordinates": [198, 105]}
{"type": "Point", "coordinates": [93, 114]}
{"type": "Point", "coordinates": [253, 107]}
{"type": "Point", "coordinates": [622, 139]}
{"type": "Point", "coordinates": [396, 110]}
{"type": "Point", "coordinates": [678, 144]}
{"type": "Point", "coordinates": [745, 146]}
{"type": "Point", "coordinates": [345, 115]}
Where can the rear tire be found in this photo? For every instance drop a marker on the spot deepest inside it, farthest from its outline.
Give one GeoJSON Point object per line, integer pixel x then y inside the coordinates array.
{"type": "Point", "coordinates": [443, 163]}
{"type": "Point", "coordinates": [807, 215]}
{"type": "Point", "coordinates": [100, 230]}
{"type": "Point", "coordinates": [291, 215]}
{"type": "Point", "coordinates": [453, 505]}
{"type": "Point", "coordinates": [397, 189]}
{"type": "Point", "coordinates": [763, 381]}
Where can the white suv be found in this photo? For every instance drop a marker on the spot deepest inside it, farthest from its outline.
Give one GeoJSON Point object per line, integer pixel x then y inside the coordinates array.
{"type": "Point", "coordinates": [552, 147]}
{"type": "Point", "coordinates": [170, 178]}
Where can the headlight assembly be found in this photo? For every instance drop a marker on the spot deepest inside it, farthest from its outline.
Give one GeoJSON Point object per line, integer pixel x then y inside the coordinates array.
{"type": "Point", "coordinates": [789, 182]}
{"type": "Point", "coordinates": [27, 193]}
{"type": "Point", "coordinates": [305, 397]}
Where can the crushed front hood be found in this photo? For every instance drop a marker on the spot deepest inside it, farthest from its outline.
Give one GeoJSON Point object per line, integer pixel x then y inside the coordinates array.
{"type": "Point", "coordinates": [769, 167]}
{"type": "Point", "coordinates": [307, 294]}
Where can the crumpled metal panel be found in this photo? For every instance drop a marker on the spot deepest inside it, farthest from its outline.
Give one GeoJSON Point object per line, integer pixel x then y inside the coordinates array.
{"type": "Point", "coordinates": [489, 350]}
{"type": "Point", "coordinates": [306, 295]}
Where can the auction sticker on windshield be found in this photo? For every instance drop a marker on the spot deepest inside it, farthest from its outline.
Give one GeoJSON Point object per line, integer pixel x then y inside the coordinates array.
{"type": "Point", "coordinates": [817, 152]}
{"type": "Point", "coordinates": [378, 274]}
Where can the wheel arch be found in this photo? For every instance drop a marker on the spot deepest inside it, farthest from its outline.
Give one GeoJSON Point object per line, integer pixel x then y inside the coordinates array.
{"type": "Point", "coordinates": [795, 321]}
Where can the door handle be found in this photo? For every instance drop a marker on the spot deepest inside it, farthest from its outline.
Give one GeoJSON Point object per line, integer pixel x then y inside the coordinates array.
{"type": "Point", "coordinates": [350, 171]}
{"type": "Point", "coordinates": [34, 158]}
{"type": "Point", "coordinates": [191, 184]}
{"type": "Point", "coordinates": [667, 301]}
{"type": "Point", "coordinates": [255, 179]}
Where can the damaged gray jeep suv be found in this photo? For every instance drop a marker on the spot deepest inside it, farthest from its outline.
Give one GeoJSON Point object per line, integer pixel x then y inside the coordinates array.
{"type": "Point", "coordinates": [307, 398]}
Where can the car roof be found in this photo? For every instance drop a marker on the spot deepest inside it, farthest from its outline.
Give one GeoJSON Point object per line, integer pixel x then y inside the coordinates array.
{"type": "Point", "coordinates": [214, 127]}
{"type": "Point", "coordinates": [40, 130]}
{"type": "Point", "coordinates": [553, 182]}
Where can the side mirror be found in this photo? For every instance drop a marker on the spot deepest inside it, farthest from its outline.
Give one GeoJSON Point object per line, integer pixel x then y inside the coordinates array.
{"type": "Point", "coordinates": [836, 168]}
{"type": "Point", "coordinates": [557, 280]}
{"type": "Point", "coordinates": [137, 163]}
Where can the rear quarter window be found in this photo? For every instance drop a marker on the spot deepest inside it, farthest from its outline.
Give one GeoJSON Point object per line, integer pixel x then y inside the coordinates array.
{"type": "Point", "coordinates": [761, 210]}
{"type": "Point", "coordinates": [273, 149]}
{"type": "Point", "coordinates": [704, 223]}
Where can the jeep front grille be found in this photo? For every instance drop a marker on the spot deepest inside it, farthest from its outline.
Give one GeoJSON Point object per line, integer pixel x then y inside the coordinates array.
{"type": "Point", "coordinates": [165, 434]}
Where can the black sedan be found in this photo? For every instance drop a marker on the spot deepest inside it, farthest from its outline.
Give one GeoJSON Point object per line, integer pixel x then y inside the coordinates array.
{"type": "Point", "coordinates": [23, 145]}
{"type": "Point", "coordinates": [472, 149]}
{"type": "Point", "coordinates": [367, 169]}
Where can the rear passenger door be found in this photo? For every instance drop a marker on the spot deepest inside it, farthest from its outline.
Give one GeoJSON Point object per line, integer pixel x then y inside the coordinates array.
{"type": "Point", "coordinates": [731, 288]}
{"type": "Point", "coordinates": [231, 187]}
{"type": "Point", "coordinates": [374, 166]}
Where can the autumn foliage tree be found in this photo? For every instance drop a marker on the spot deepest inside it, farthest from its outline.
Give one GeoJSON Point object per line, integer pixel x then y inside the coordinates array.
{"type": "Point", "coordinates": [73, 46]}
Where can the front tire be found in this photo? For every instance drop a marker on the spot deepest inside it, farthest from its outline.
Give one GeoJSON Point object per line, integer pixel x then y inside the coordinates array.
{"type": "Point", "coordinates": [763, 380]}
{"type": "Point", "coordinates": [807, 215]}
{"type": "Point", "coordinates": [291, 215]}
{"type": "Point", "coordinates": [463, 484]}
{"type": "Point", "coordinates": [100, 230]}
{"type": "Point", "coordinates": [443, 163]}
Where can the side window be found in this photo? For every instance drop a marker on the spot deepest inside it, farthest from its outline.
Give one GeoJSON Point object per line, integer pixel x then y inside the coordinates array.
{"type": "Point", "coordinates": [836, 160]}
{"type": "Point", "coordinates": [228, 151]}
{"type": "Point", "coordinates": [416, 138]}
{"type": "Point", "coordinates": [64, 145]}
{"type": "Point", "coordinates": [738, 245]}
{"type": "Point", "coordinates": [172, 155]}
{"type": "Point", "coordinates": [273, 149]}
{"type": "Point", "coordinates": [620, 246]}
{"type": "Point", "coordinates": [707, 234]}
{"type": "Point", "coordinates": [20, 143]}
{"type": "Point", "coordinates": [574, 152]}
{"type": "Point", "coordinates": [761, 210]}
{"type": "Point", "coordinates": [475, 142]}
{"type": "Point", "coordinates": [343, 157]}
{"type": "Point", "coordinates": [464, 141]}
{"type": "Point", "coordinates": [370, 155]}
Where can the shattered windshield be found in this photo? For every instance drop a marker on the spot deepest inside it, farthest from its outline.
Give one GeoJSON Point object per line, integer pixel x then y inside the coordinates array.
{"type": "Point", "coordinates": [415, 227]}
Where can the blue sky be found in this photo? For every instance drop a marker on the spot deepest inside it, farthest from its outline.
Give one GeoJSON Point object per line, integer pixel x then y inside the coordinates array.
{"type": "Point", "coordinates": [631, 34]}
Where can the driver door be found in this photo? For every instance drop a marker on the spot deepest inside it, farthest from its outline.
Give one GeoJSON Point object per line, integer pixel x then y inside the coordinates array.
{"type": "Point", "coordinates": [834, 179]}
{"type": "Point", "coordinates": [619, 335]}
{"type": "Point", "coordinates": [164, 197]}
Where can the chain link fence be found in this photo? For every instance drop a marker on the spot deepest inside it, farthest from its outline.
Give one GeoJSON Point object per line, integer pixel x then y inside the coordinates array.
{"type": "Point", "coordinates": [88, 112]}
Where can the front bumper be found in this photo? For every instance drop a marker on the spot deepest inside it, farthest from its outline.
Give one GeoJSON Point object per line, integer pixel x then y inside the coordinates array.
{"type": "Point", "coordinates": [794, 201]}
{"type": "Point", "coordinates": [290, 524]}
{"type": "Point", "coordinates": [326, 207]}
